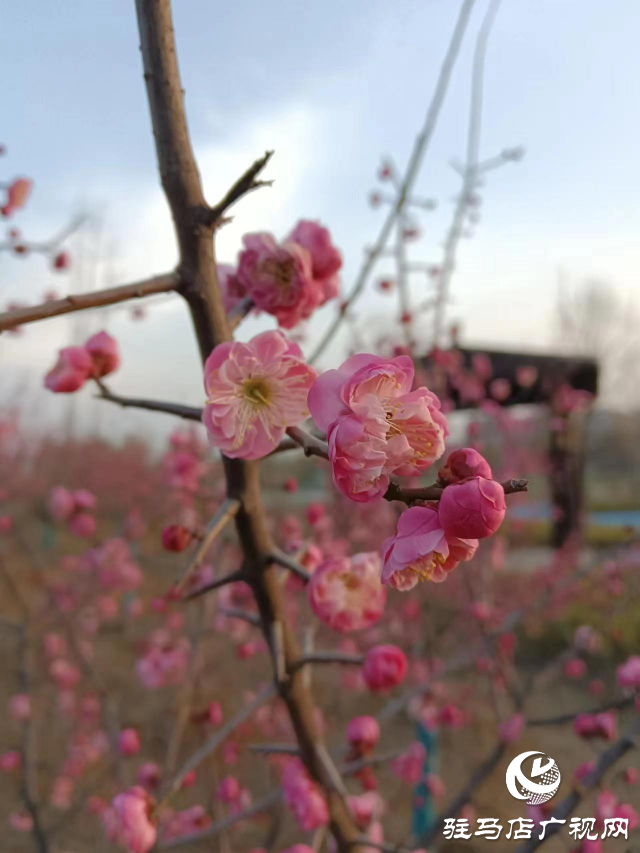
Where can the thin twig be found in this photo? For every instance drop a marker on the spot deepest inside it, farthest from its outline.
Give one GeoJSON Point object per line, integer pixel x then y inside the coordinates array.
{"type": "Point", "coordinates": [245, 184]}
{"type": "Point", "coordinates": [311, 445]}
{"type": "Point", "coordinates": [606, 760]}
{"type": "Point", "coordinates": [94, 299]}
{"type": "Point", "coordinates": [189, 413]}
{"type": "Point", "coordinates": [212, 743]}
{"type": "Point", "coordinates": [420, 146]}
{"type": "Point", "coordinates": [289, 563]}
{"type": "Point", "coordinates": [227, 510]}
{"type": "Point", "coordinates": [217, 583]}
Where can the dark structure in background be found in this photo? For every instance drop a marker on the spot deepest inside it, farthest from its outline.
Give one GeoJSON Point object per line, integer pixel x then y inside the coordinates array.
{"type": "Point", "coordinates": [566, 443]}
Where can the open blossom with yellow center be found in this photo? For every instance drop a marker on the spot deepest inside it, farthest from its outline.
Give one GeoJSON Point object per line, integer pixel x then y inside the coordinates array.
{"type": "Point", "coordinates": [345, 593]}
{"type": "Point", "coordinates": [376, 425]}
{"type": "Point", "coordinates": [254, 392]}
{"type": "Point", "coordinates": [421, 551]}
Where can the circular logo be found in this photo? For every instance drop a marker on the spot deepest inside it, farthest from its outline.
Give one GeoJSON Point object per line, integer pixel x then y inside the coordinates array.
{"type": "Point", "coordinates": [543, 770]}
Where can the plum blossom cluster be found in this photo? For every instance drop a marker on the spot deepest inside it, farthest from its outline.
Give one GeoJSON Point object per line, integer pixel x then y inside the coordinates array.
{"type": "Point", "coordinates": [289, 280]}
{"type": "Point", "coordinates": [377, 425]}
{"type": "Point", "coordinates": [432, 540]}
{"type": "Point", "coordinates": [97, 358]}
{"type": "Point", "coordinates": [303, 797]}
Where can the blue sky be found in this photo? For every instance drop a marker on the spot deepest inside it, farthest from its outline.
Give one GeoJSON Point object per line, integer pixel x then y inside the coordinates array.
{"type": "Point", "coordinates": [331, 86]}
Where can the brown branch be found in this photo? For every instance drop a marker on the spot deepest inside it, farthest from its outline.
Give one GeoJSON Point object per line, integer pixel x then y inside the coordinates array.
{"type": "Point", "coordinates": [217, 583]}
{"type": "Point", "coordinates": [289, 563]}
{"type": "Point", "coordinates": [311, 445]}
{"type": "Point", "coordinates": [330, 657]}
{"type": "Point", "coordinates": [244, 615]}
{"type": "Point", "coordinates": [239, 312]}
{"type": "Point", "coordinates": [200, 288]}
{"type": "Point", "coordinates": [245, 184]}
{"type": "Point", "coordinates": [94, 299]}
{"type": "Point", "coordinates": [434, 493]}
{"type": "Point", "coordinates": [212, 743]}
{"type": "Point", "coordinates": [189, 413]}
{"type": "Point", "coordinates": [606, 760]}
{"type": "Point", "coordinates": [273, 748]}
{"type": "Point", "coordinates": [263, 805]}
{"type": "Point", "coordinates": [614, 704]}
{"type": "Point", "coordinates": [227, 510]}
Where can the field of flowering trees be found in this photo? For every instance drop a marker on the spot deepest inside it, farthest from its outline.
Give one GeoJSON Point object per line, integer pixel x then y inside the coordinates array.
{"type": "Point", "coordinates": [310, 624]}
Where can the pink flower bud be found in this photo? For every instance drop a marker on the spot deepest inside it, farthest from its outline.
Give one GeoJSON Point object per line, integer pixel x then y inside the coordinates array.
{"type": "Point", "coordinates": [511, 729]}
{"type": "Point", "coordinates": [228, 790]}
{"type": "Point", "coordinates": [215, 714]}
{"type": "Point", "coordinates": [70, 372]}
{"type": "Point", "coordinates": [104, 353]}
{"type": "Point", "coordinates": [149, 775]}
{"type": "Point", "coordinates": [462, 464]}
{"type": "Point", "coordinates": [18, 193]}
{"type": "Point", "coordinates": [128, 742]}
{"type": "Point", "coordinates": [62, 261]}
{"type": "Point", "coordinates": [176, 538]}
{"type": "Point", "coordinates": [384, 667]}
{"type": "Point", "coordinates": [83, 525]}
{"type": "Point", "coordinates": [628, 673]}
{"type": "Point", "coordinates": [6, 523]}
{"type": "Point", "coordinates": [575, 668]}
{"type": "Point", "coordinates": [61, 503]}
{"type": "Point", "coordinates": [10, 761]}
{"type": "Point", "coordinates": [20, 707]}
{"type": "Point", "coordinates": [472, 509]}
{"type": "Point", "coordinates": [363, 734]}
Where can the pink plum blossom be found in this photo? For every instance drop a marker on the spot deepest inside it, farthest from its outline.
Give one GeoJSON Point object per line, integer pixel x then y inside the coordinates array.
{"type": "Point", "coordinates": [473, 508]}
{"type": "Point", "coordinates": [104, 353]}
{"type": "Point", "coordinates": [346, 593]}
{"type": "Point", "coordinates": [20, 707]}
{"type": "Point", "coordinates": [10, 761]}
{"type": "Point", "coordinates": [462, 464]}
{"type": "Point", "coordinates": [326, 260]}
{"type": "Point", "coordinates": [303, 797]}
{"type": "Point", "coordinates": [70, 372]}
{"type": "Point", "coordinates": [128, 821]}
{"type": "Point", "coordinates": [376, 425]}
{"type": "Point", "coordinates": [61, 503]}
{"type": "Point", "coordinates": [575, 668]}
{"type": "Point", "coordinates": [628, 673]}
{"type": "Point", "coordinates": [128, 742]}
{"type": "Point", "coordinates": [254, 392]}
{"type": "Point", "coordinates": [421, 551]}
{"type": "Point", "coordinates": [279, 278]}
{"type": "Point", "coordinates": [233, 291]}
{"type": "Point", "coordinates": [363, 734]}
{"type": "Point", "coordinates": [601, 725]}
{"type": "Point", "coordinates": [384, 667]}
{"type": "Point", "coordinates": [410, 765]}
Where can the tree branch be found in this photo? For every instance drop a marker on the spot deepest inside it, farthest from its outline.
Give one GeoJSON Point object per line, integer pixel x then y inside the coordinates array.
{"type": "Point", "coordinates": [245, 184]}
{"type": "Point", "coordinates": [434, 493]}
{"type": "Point", "coordinates": [615, 704]}
{"type": "Point", "coordinates": [227, 510]}
{"type": "Point", "coordinates": [232, 577]}
{"type": "Point", "coordinates": [311, 445]}
{"type": "Point", "coordinates": [292, 565]}
{"type": "Point", "coordinates": [189, 413]}
{"type": "Point", "coordinates": [420, 146]}
{"type": "Point", "coordinates": [606, 760]}
{"type": "Point", "coordinates": [94, 299]}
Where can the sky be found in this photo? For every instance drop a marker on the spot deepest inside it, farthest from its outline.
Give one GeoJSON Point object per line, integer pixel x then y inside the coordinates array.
{"type": "Point", "coordinates": [332, 87]}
